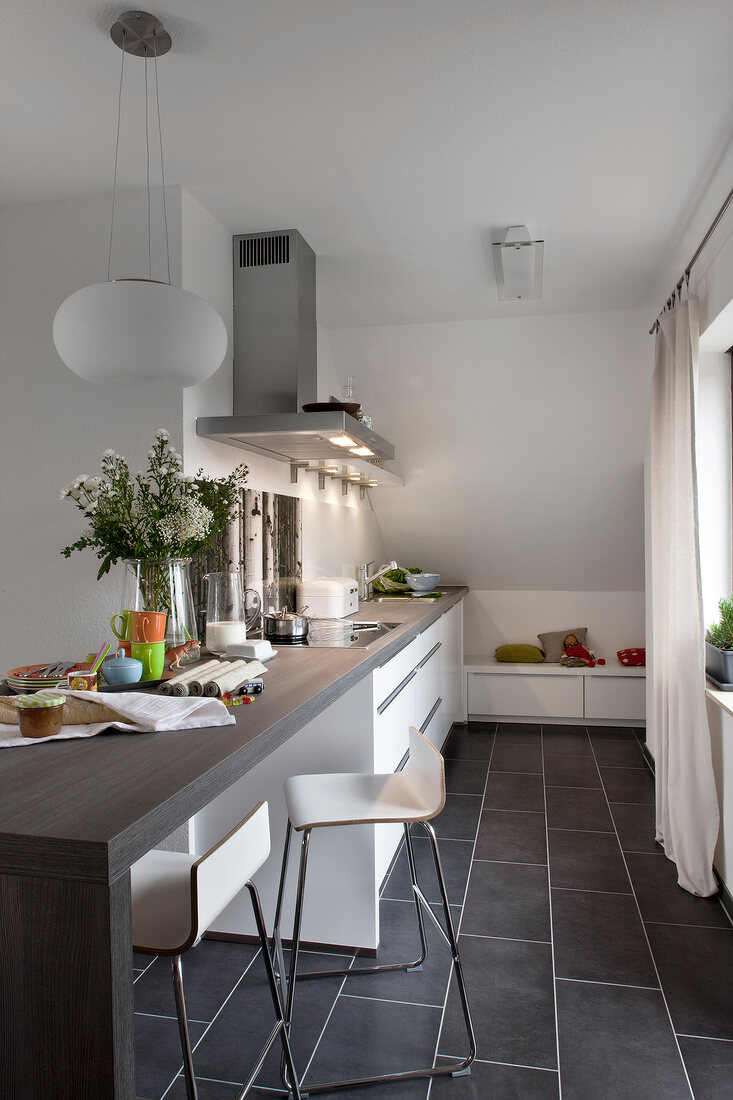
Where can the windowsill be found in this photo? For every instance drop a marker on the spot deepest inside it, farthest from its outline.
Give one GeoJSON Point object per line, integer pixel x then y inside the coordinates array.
{"type": "Point", "coordinates": [722, 699]}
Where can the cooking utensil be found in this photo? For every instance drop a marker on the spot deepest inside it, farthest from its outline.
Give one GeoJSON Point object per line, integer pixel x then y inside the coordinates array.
{"type": "Point", "coordinates": [284, 625]}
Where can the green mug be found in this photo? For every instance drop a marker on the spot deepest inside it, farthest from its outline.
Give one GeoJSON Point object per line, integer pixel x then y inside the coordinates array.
{"type": "Point", "coordinates": [124, 633]}
{"type": "Point", "coordinates": [152, 655]}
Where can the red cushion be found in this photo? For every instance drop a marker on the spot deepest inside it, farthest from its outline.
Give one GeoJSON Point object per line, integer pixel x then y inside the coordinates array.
{"type": "Point", "coordinates": [630, 657]}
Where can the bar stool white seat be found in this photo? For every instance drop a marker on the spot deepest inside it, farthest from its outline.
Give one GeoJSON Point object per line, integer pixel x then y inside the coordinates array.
{"type": "Point", "coordinates": [176, 896]}
{"type": "Point", "coordinates": [414, 795]}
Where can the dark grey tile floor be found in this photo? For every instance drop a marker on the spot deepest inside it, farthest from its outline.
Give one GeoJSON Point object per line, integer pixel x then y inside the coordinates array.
{"type": "Point", "coordinates": [591, 974]}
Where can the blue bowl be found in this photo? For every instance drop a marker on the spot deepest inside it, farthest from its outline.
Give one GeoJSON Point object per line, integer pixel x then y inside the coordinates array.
{"type": "Point", "coordinates": [422, 582]}
{"type": "Point", "coordinates": [122, 670]}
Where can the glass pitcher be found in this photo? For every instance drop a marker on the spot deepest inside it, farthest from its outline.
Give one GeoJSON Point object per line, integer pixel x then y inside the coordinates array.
{"type": "Point", "coordinates": [230, 610]}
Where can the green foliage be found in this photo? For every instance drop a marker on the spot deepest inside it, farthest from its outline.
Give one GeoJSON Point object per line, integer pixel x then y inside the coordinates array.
{"type": "Point", "coordinates": [720, 634]}
{"type": "Point", "coordinates": [156, 514]}
{"type": "Point", "coordinates": [393, 580]}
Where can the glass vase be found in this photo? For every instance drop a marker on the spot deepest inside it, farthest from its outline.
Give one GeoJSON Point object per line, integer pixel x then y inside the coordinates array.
{"type": "Point", "coordinates": [163, 584]}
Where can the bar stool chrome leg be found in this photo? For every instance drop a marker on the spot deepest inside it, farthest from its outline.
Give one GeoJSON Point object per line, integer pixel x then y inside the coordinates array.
{"type": "Point", "coordinates": [191, 1091]}
{"type": "Point", "coordinates": [453, 1069]}
{"type": "Point", "coordinates": [415, 964]}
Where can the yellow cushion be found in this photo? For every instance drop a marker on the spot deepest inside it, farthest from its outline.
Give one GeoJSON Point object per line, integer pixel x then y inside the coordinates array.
{"type": "Point", "coordinates": [519, 653]}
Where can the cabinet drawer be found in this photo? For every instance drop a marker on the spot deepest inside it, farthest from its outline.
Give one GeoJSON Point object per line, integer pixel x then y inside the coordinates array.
{"type": "Point", "coordinates": [515, 695]}
{"type": "Point", "coordinates": [615, 697]}
{"type": "Point", "coordinates": [390, 674]}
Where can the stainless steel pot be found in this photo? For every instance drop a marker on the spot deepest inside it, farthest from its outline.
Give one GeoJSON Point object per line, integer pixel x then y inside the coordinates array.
{"type": "Point", "coordinates": [284, 624]}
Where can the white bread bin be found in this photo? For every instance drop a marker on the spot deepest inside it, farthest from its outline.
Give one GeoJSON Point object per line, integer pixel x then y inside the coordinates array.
{"type": "Point", "coordinates": [328, 597]}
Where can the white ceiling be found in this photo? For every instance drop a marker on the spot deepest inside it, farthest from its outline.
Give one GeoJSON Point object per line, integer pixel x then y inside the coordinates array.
{"type": "Point", "coordinates": [401, 136]}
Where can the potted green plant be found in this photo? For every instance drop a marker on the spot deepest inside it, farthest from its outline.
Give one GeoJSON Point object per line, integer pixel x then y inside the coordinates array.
{"type": "Point", "coordinates": [719, 646]}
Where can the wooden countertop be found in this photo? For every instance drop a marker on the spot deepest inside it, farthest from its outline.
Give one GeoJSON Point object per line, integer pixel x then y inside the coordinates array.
{"type": "Point", "coordinates": [90, 808]}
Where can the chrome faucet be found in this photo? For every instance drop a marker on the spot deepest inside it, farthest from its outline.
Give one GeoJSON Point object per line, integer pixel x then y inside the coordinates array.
{"type": "Point", "coordinates": [365, 581]}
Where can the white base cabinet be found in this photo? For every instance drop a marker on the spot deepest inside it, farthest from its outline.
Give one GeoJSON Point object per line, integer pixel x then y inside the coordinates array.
{"type": "Point", "coordinates": [609, 694]}
{"type": "Point", "coordinates": [364, 730]}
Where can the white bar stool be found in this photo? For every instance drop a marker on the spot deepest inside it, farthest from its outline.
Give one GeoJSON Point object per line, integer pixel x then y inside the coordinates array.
{"type": "Point", "coordinates": [176, 896]}
{"type": "Point", "coordinates": [415, 794]}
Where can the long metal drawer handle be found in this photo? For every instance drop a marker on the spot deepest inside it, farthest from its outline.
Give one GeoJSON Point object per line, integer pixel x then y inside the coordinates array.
{"type": "Point", "coordinates": [432, 714]}
{"type": "Point", "coordinates": [427, 657]}
{"type": "Point", "coordinates": [400, 687]}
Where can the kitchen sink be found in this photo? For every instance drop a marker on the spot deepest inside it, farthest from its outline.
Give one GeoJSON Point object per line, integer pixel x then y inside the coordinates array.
{"type": "Point", "coordinates": [386, 599]}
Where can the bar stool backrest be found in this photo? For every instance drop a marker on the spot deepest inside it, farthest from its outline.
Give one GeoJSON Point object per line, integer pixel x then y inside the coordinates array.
{"type": "Point", "coordinates": [219, 875]}
{"type": "Point", "coordinates": [426, 773]}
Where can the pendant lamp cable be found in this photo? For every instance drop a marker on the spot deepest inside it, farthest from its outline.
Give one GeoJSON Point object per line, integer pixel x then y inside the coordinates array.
{"type": "Point", "coordinates": [162, 162]}
{"type": "Point", "coordinates": [147, 167]}
{"type": "Point", "coordinates": [117, 151]}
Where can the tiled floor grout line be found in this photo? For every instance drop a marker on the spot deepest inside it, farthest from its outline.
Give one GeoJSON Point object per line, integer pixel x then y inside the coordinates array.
{"type": "Point", "coordinates": [144, 970]}
{"type": "Point", "coordinates": [582, 890]}
{"type": "Point", "coordinates": [620, 985]}
{"type": "Point", "coordinates": [552, 929]}
{"type": "Point", "coordinates": [508, 939]}
{"type": "Point", "coordinates": [388, 1000]}
{"type": "Point", "coordinates": [682, 924]}
{"type": "Point", "coordinates": [646, 937]}
{"type": "Point", "coordinates": [463, 908]}
{"type": "Point", "coordinates": [708, 1038]}
{"type": "Point", "coordinates": [510, 862]}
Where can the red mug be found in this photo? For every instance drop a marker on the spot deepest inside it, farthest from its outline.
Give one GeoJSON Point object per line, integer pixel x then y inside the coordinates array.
{"type": "Point", "coordinates": [148, 626]}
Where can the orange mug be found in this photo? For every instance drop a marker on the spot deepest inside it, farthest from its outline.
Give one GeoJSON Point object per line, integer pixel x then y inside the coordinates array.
{"type": "Point", "coordinates": [148, 626]}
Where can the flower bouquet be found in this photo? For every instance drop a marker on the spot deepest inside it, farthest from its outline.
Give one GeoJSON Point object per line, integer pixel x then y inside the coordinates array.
{"type": "Point", "coordinates": [154, 516]}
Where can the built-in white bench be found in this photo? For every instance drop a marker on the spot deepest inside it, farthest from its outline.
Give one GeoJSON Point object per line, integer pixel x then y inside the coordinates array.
{"type": "Point", "coordinates": [608, 694]}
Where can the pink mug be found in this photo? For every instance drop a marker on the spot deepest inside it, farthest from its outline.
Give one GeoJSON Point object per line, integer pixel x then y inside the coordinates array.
{"type": "Point", "coordinates": [148, 626]}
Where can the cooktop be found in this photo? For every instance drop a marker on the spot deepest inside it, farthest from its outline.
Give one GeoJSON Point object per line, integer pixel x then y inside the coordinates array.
{"type": "Point", "coordinates": [340, 634]}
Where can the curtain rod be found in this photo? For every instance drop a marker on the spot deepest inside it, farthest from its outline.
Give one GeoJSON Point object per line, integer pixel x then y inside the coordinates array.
{"type": "Point", "coordinates": [686, 273]}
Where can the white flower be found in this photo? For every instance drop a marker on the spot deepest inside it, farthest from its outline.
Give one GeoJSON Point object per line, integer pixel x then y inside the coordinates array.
{"type": "Point", "coordinates": [189, 480]}
{"type": "Point", "coordinates": [109, 453]}
{"type": "Point", "coordinates": [179, 475]}
{"type": "Point", "coordinates": [161, 434]}
{"type": "Point", "coordinates": [151, 454]}
{"type": "Point", "coordinates": [91, 483]}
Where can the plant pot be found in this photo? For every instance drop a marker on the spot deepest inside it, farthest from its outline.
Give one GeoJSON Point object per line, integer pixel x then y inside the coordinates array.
{"type": "Point", "coordinates": [719, 663]}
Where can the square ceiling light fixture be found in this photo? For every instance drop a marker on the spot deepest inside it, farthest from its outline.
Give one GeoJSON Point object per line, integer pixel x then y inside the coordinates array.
{"type": "Point", "coordinates": [518, 263]}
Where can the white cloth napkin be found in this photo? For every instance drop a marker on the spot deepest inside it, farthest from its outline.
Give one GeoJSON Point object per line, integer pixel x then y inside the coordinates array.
{"type": "Point", "coordinates": [144, 713]}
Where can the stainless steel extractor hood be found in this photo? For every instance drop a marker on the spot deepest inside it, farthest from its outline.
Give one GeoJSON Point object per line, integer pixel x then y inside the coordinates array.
{"type": "Point", "coordinates": [275, 362]}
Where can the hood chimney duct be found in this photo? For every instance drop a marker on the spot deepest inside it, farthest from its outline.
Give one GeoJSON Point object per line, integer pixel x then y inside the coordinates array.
{"type": "Point", "coordinates": [275, 336]}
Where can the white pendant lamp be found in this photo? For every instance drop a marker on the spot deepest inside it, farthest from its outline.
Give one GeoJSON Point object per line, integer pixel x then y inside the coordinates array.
{"type": "Point", "coordinates": [139, 329]}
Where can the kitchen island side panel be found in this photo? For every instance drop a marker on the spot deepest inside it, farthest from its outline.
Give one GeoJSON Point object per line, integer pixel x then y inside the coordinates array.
{"type": "Point", "coordinates": [340, 905]}
{"type": "Point", "coordinates": [69, 941]}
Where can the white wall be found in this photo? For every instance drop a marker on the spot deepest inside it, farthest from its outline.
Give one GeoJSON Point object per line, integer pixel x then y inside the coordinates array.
{"type": "Point", "coordinates": [521, 444]}
{"type": "Point", "coordinates": [615, 620]}
{"type": "Point", "coordinates": [54, 426]}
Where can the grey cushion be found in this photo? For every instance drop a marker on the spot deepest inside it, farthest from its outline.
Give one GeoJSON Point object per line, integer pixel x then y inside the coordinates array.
{"type": "Point", "coordinates": [552, 643]}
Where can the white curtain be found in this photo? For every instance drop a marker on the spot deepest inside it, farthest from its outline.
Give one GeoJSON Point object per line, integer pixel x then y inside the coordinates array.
{"type": "Point", "coordinates": [687, 806]}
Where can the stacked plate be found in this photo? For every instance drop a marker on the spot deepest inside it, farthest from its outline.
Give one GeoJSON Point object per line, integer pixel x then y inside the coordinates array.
{"type": "Point", "coordinates": [35, 677]}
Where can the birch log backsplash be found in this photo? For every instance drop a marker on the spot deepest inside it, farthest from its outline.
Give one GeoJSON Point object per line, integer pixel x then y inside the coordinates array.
{"type": "Point", "coordinates": [264, 543]}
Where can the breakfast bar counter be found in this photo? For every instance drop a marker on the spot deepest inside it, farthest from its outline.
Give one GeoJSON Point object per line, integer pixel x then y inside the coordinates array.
{"type": "Point", "coordinates": [74, 816]}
